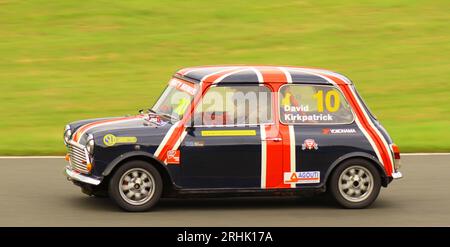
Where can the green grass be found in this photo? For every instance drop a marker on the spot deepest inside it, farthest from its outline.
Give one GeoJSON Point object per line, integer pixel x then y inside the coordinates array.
{"type": "Point", "coordinates": [62, 61]}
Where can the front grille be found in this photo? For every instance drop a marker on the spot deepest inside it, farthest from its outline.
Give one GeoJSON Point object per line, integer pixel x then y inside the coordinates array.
{"type": "Point", "coordinates": [77, 156]}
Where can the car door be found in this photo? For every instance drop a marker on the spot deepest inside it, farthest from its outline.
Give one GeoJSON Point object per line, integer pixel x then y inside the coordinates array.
{"type": "Point", "coordinates": [222, 147]}
{"type": "Point", "coordinates": [324, 128]}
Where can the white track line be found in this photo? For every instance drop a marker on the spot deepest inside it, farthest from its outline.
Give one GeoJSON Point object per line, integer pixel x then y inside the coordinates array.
{"type": "Point", "coordinates": [423, 154]}
{"type": "Point", "coordinates": [62, 157]}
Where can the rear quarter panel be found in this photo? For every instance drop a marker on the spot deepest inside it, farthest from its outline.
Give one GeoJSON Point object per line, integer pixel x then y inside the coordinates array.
{"type": "Point", "coordinates": [332, 149]}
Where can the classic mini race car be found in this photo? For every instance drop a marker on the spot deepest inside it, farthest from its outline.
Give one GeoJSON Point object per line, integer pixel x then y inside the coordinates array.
{"type": "Point", "coordinates": [237, 131]}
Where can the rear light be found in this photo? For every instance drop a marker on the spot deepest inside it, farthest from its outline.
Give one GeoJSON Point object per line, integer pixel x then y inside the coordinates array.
{"type": "Point", "coordinates": [396, 152]}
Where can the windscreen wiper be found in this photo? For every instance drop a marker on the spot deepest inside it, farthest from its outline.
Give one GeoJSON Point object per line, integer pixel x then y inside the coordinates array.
{"type": "Point", "coordinates": [163, 114]}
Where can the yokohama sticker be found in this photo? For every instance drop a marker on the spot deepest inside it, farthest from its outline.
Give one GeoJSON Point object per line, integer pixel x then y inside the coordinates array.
{"type": "Point", "coordinates": [311, 177]}
{"type": "Point", "coordinates": [338, 131]}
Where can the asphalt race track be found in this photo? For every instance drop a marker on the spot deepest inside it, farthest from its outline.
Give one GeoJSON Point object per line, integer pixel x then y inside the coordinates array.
{"type": "Point", "coordinates": [34, 192]}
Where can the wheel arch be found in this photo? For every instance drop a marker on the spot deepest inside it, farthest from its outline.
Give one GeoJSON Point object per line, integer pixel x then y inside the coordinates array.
{"type": "Point", "coordinates": [168, 185]}
{"type": "Point", "coordinates": [361, 155]}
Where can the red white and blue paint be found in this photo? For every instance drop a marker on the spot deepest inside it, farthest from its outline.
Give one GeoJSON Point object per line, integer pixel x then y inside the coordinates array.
{"type": "Point", "coordinates": [274, 157]}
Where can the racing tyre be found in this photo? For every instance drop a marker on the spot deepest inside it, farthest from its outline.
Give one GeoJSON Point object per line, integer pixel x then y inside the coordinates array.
{"type": "Point", "coordinates": [136, 186]}
{"type": "Point", "coordinates": [355, 184]}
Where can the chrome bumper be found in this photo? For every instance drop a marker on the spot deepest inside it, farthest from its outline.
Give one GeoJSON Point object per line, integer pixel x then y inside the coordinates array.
{"type": "Point", "coordinates": [72, 175]}
{"type": "Point", "coordinates": [397, 175]}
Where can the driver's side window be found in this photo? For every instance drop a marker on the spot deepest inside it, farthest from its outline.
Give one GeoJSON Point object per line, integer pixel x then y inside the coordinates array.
{"type": "Point", "coordinates": [234, 105]}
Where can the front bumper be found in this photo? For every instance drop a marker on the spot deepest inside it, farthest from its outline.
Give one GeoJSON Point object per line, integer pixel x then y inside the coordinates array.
{"type": "Point", "coordinates": [73, 175]}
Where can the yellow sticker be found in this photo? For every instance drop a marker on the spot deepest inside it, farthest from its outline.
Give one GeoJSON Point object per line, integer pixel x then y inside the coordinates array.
{"type": "Point", "coordinates": [110, 139]}
{"type": "Point", "coordinates": [182, 106]}
{"type": "Point", "coordinates": [229, 133]}
{"type": "Point", "coordinates": [286, 100]}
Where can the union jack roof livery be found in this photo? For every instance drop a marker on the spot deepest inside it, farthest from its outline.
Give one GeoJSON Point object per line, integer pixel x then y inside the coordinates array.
{"type": "Point", "coordinates": [253, 74]}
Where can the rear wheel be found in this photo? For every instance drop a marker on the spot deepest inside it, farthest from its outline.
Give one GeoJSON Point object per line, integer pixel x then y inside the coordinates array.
{"type": "Point", "coordinates": [355, 184]}
{"type": "Point", "coordinates": [136, 186]}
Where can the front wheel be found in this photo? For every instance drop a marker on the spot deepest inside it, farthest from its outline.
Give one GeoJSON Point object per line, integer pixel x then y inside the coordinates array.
{"type": "Point", "coordinates": [355, 184]}
{"type": "Point", "coordinates": [136, 186]}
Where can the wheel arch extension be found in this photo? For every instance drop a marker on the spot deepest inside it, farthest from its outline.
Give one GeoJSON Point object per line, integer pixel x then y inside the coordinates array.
{"type": "Point", "coordinates": [361, 155]}
{"type": "Point", "coordinates": [168, 184]}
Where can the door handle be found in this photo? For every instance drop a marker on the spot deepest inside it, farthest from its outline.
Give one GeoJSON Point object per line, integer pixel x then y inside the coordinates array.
{"type": "Point", "coordinates": [275, 139]}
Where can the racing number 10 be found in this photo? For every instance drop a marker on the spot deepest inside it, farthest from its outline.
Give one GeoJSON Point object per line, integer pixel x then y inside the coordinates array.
{"type": "Point", "coordinates": [330, 94]}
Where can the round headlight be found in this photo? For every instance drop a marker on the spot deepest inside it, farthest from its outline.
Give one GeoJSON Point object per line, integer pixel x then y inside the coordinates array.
{"type": "Point", "coordinates": [90, 144]}
{"type": "Point", "coordinates": [67, 134]}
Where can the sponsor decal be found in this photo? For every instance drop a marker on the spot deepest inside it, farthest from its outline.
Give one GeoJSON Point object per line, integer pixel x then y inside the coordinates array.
{"type": "Point", "coordinates": [303, 114]}
{"type": "Point", "coordinates": [328, 131]}
{"type": "Point", "coordinates": [310, 144]}
{"type": "Point", "coordinates": [183, 86]}
{"type": "Point", "coordinates": [173, 157]}
{"type": "Point", "coordinates": [194, 143]}
{"type": "Point", "coordinates": [288, 117]}
{"type": "Point", "coordinates": [111, 140]}
{"type": "Point", "coordinates": [229, 133]}
{"type": "Point", "coordinates": [324, 105]}
{"type": "Point", "coordinates": [300, 108]}
{"type": "Point", "coordinates": [309, 177]}
{"type": "Point", "coordinates": [155, 119]}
